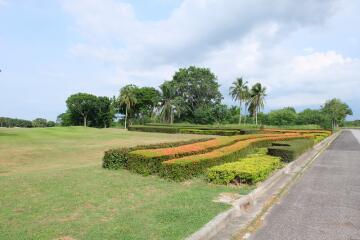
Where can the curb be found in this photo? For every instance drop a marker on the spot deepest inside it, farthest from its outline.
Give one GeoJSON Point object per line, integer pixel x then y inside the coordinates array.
{"type": "Point", "coordinates": [247, 208]}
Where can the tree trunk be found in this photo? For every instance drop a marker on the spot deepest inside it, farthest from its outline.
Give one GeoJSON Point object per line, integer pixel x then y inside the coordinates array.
{"type": "Point", "coordinates": [239, 112]}
{"type": "Point", "coordinates": [126, 114]}
{"type": "Point", "coordinates": [84, 121]}
{"type": "Point", "coordinates": [256, 123]}
{"type": "Point", "coordinates": [171, 116]}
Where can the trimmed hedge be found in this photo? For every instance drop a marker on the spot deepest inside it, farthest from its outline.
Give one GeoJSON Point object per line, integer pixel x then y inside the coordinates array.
{"type": "Point", "coordinates": [222, 132]}
{"type": "Point", "coordinates": [187, 167]}
{"type": "Point", "coordinates": [250, 170]}
{"type": "Point", "coordinates": [118, 158]}
{"type": "Point", "coordinates": [148, 161]}
{"type": "Point", "coordinates": [160, 129]}
{"type": "Point", "coordinates": [290, 150]}
{"type": "Point", "coordinates": [192, 130]}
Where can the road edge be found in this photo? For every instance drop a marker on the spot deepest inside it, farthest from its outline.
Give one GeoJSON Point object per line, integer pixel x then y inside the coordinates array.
{"type": "Point", "coordinates": [248, 208]}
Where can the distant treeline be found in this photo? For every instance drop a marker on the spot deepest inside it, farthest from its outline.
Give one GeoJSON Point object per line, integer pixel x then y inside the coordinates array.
{"type": "Point", "coordinates": [355, 123]}
{"type": "Point", "coordinates": [15, 122]}
{"type": "Point", "coordinates": [193, 96]}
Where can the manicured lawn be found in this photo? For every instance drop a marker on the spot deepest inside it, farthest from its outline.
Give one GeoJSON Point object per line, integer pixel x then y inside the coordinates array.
{"type": "Point", "coordinates": [52, 186]}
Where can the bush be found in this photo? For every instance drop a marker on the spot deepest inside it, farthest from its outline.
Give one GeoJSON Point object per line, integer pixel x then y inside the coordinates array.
{"type": "Point", "coordinates": [187, 167]}
{"type": "Point", "coordinates": [290, 150]}
{"type": "Point", "coordinates": [160, 129]}
{"type": "Point", "coordinates": [249, 170]}
{"type": "Point", "coordinates": [222, 132]}
{"type": "Point", "coordinates": [148, 161]}
{"type": "Point", "coordinates": [118, 158]}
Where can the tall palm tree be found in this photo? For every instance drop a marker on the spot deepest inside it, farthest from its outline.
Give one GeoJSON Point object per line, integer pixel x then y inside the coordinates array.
{"type": "Point", "coordinates": [169, 104]}
{"type": "Point", "coordinates": [256, 100]}
{"type": "Point", "coordinates": [128, 98]}
{"type": "Point", "coordinates": [239, 92]}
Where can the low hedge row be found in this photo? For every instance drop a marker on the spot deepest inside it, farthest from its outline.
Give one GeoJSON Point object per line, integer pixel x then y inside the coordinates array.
{"type": "Point", "coordinates": [160, 129]}
{"type": "Point", "coordinates": [191, 130]}
{"type": "Point", "coordinates": [290, 150]}
{"type": "Point", "coordinates": [222, 132]}
{"type": "Point", "coordinates": [250, 170]}
{"type": "Point", "coordinates": [117, 158]}
{"type": "Point", "coordinates": [187, 167]}
{"type": "Point", "coordinates": [148, 161]}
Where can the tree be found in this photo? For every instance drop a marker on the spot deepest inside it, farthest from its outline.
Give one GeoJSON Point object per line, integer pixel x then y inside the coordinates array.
{"type": "Point", "coordinates": [104, 113]}
{"type": "Point", "coordinates": [128, 99]}
{"type": "Point", "coordinates": [170, 104]}
{"type": "Point", "coordinates": [284, 116]}
{"type": "Point", "coordinates": [82, 104]}
{"type": "Point", "coordinates": [39, 122]}
{"type": "Point", "coordinates": [336, 110]}
{"type": "Point", "coordinates": [256, 100]}
{"type": "Point", "coordinates": [310, 116]}
{"type": "Point", "coordinates": [194, 87]}
{"type": "Point", "coordinates": [239, 92]}
{"type": "Point", "coordinates": [147, 101]}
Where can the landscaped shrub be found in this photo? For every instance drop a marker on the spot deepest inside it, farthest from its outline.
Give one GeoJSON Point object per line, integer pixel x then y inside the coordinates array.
{"type": "Point", "coordinates": [148, 161]}
{"type": "Point", "coordinates": [249, 170]}
{"type": "Point", "coordinates": [290, 150]}
{"type": "Point", "coordinates": [222, 132]}
{"type": "Point", "coordinates": [118, 157]}
{"type": "Point", "coordinates": [190, 166]}
{"type": "Point", "coordinates": [160, 129]}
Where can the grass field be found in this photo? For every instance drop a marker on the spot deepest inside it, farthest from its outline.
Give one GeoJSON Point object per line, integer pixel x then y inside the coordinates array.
{"type": "Point", "coordinates": [53, 187]}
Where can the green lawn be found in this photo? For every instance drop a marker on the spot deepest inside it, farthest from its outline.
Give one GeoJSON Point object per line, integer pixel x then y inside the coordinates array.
{"type": "Point", "coordinates": [53, 187]}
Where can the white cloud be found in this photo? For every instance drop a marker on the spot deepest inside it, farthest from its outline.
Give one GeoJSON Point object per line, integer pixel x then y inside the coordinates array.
{"type": "Point", "coordinates": [234, 38]}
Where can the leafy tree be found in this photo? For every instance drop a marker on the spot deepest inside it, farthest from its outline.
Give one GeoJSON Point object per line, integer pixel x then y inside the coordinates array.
{"type": "Point", "coordinates": [194, 87]}
{"type": "Point", "coordinates": [336, 111]}
{"type": "Point", "coordinates": [81, 105]}
{"type": "Point", "coordinates": [14, 122]}
{"type": "Point", "coordinates": [104, 112]}
{"type": "Point", "coordinates": [128, 99]}
{"type": "Point", "coordinates": [256, 100]}
{"type": "Point", "coordinates": [39, 122]}
{"type": "Point", "coordinates": [170, 104]}
{"type": "Point", "coordinates": [239, 91]}
{"type": "Point", "coordinates": [64, 119]}
{"type": "Point", "coordinates": [310, 116]}
{"type": "Point", "coordinates": [285, 116]}
{"type": "Point", "coordinates": [50, 124]}
{"type": "Point", "coordinates": [147, 101]}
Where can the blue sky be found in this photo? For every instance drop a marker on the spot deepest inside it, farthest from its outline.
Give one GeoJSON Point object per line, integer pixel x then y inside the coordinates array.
{"type": "Point", "coordinates": [304, 52]}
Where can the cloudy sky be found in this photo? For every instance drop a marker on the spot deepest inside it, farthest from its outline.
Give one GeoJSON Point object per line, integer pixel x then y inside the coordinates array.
{"type": "Point", "coordinates": [304, 52]}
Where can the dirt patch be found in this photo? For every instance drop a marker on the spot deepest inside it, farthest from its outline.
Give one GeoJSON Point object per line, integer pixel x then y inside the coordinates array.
{"type": "Point", "coordinates": [227, 198]}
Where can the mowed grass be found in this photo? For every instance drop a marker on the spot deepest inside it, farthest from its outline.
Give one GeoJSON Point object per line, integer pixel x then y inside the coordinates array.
{"type": "Point", "coordinates": [53, 187]}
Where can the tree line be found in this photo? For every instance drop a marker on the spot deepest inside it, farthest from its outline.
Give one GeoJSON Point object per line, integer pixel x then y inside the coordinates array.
{"type": "Point", "coordinates": [193, 96]}
{"type": "Point", "coordinates": [15, 122]}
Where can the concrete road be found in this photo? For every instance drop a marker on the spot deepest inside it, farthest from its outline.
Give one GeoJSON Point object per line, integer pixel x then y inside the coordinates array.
{"type": "Point", "coordinates": [325, 203]}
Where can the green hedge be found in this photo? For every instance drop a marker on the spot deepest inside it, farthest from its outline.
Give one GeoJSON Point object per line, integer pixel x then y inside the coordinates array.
{"type": "Point", "coordinates": [221, 132]}
{"type": "Point", "coordinates": [160, 129]}
{"type": "Point", "coordinates": [249, 170]}
{"type": "Point", "coordinates": [118, 157]}
{"type": "Point", "coordinates": [191, 130]}
{"type": "Point", "coordinates": [180, 171]}
{"type": "Point", "coordinates": [291, 149]}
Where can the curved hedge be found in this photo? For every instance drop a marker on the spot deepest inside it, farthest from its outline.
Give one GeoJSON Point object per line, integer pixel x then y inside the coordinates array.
{"type": "Point", "coordinates": [191, 166]}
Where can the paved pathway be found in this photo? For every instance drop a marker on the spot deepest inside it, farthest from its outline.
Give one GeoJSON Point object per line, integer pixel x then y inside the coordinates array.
{"type": "Point", "coordinates": [325, 203]}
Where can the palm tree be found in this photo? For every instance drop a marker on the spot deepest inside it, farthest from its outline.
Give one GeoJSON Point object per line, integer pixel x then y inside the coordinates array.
{"type": "Point", "coordinates": [256, 100]}
{"type": "Point", "coordinates": [128, 98]}
{"type": "Point", "coordinates": [239, 92]}
{"type": "Point", "coordinates": [169, 104]}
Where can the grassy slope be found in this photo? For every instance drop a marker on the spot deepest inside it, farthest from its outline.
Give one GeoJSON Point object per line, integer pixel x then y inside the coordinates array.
{"type": "Point", "coordinates": [52, 186]}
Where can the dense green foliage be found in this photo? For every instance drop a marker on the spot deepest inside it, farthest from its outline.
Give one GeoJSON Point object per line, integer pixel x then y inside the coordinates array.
{"type": "Point", "coordinates": [88, 110]}
{"type": "Point", "coordinates": [291, 149]}
{"type": "Point", "coordinates": [355, 123]}
{"type": "Point", "coordinates": [14, 122]}
{"type": "Point", "coordinates": [117, 158]}
{"type": "Point", "coordinates": [249, 170]}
